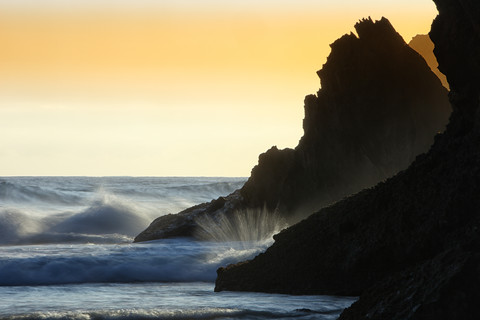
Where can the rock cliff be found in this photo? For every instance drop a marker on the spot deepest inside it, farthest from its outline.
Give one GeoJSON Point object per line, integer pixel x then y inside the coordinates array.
{"type": "Point", "coordinates": [379, 106]}
{"type": "Point", "coordinates": [410, 246]}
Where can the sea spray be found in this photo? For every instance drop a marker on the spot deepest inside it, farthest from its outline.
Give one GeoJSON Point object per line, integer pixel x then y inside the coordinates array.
{"type": "Point", "coordinates": [245, 225]}
{"type": "Point", "coordinates": [106, 215]}
{"type": "Point", "coordinates": [15, 224]}
{"type": "Point", "coordinates": [106, 219]}
{"type": "Point", "coordinates": [153, 301]}
{"type": "Point", "coordinates": [172, 260]}
{"type": "Point", "coordinates": [41, 210]}
{"type": "Point", "coordinates": [66, 273]}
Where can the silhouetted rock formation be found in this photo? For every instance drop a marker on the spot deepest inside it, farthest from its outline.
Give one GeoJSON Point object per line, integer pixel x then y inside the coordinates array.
{"type": "Point", "coordinates": [423, 45]}
{"type": "Point", "coordinates": [411, 245]}
{"type": "Point", "coordinates": [378, 108]}
{"type": "Point", "coordinates": [380, 105]}
{"type": "Point", "coordinates": [185, 223]}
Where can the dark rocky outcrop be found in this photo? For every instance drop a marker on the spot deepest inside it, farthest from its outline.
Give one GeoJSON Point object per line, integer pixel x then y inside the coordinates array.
{"type": "Point", "coordinates": [185, 223]}
{"type": "Point", "coordinates": [441, 288]}
{"type": "Point", "coordinates": [424, 45]}
{"type": "Point", "coordinates": [411, 245]}
{"type": "Point", "coordinates": [378, 108]}
{"type": "Point", "coordinates": [345, 248]}
{"type": "Point", "coordinates": [380, 105]}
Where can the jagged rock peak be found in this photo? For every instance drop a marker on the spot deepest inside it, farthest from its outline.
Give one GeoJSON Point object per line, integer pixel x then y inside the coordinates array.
{"type": "Point", "coordinates": [376, 34]}
{"type": "Point", "coordinates": [381, 30]}
{"type": "Point", "coordinates": [378, 47]}
{"type": "Point", "coordinates": [411, 244]}
{"type": "Point", "coordinates": [379, 107]}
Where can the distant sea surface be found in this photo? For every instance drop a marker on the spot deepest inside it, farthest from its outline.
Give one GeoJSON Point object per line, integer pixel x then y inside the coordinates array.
{"type": "Point", "coordinates": [66, 252]}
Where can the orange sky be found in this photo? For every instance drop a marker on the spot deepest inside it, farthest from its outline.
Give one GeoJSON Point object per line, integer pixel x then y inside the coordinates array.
{"type": "Point", "coordinates": [166, 87]}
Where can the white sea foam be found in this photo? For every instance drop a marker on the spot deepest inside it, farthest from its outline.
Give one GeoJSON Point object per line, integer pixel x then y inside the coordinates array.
{"type": "Point", "coordinates": [36, 210]}
{"type": "Point", "coordinates": [106, 215]}
{"type": "Point", "coordinates": [15, 224]}
{"type": "Point", "coordinates": [65, 253]}
{"type": "Point", "coordinates": [160, 301]}
{"type": "Point", "coordinates": [133, 314]}
{"type": "Point", "coordinates": [107, 220]}
{"type": "Point", "coordinates": [174, 260]}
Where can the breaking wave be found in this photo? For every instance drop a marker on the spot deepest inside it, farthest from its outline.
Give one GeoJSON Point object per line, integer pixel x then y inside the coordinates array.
{"type": "Point", "coordinates": [107, 220]}
{"type": "Point", "coordinates": [15, 224]}
{"type": "Point", "coordinates": [66, 252]}
{"type": "Point", "coordinates": [42, 210]}
{"type": "Point", "coordinates": [173, 260]}
{"type": "Point", "coordinates": [74, 190]}
{"type": "Point", "coordinates": [105, 216]}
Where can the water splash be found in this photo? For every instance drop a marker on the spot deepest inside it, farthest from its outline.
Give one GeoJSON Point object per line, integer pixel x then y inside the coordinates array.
{"type": "Point", "coordinates": [40, 210]}
{"type": "Point", "coordinates": [245, 225]}
{"type": "Point", "coordinates": [106, 215]}
{"type": "Point", "coordinates": [170, 260]}
{"type": "Point", "coordinates": [15, 224]}
{"type": "Point", "coordinates": [106, 219]}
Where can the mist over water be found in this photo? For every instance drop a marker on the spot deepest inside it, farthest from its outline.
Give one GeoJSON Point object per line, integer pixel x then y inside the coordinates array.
{"type": "Point", "coordinates": [106, 215]}
{"type": "Point", "coordinates": [96, 210]}
{"type": "Point", "coordinates": [162, 301]}
{"type": "Point", "coordinates": [66, 252]}
{"type": "Point", "coordinates": [244, 225]}
{"type": "Point", "coordinates": [174, 260]}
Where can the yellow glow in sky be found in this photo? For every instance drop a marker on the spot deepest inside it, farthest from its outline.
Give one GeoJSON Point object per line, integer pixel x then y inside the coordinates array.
{"type": "Point", "coordinates": [166, 87]}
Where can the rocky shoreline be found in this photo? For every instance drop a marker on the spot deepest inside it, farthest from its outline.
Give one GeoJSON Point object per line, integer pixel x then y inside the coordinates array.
{"type": "Point", "coordinates": [379, 106]}
{"type": "Point", "coordinates": [410, 246]}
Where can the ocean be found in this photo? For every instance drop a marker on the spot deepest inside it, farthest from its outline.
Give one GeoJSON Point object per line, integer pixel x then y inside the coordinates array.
{"type": "Point", "coordinates": [66, 252]}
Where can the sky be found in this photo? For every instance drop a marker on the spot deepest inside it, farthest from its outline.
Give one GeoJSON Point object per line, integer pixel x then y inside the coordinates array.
{"type": "Point", "coordinates": [166, 88]}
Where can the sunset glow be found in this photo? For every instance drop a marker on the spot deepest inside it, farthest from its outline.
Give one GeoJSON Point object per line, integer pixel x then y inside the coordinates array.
{"type": "Point", "coordinates": [166, 88]}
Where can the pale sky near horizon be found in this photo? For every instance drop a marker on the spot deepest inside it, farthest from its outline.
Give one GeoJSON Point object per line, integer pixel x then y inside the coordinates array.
{"type": "Point", "coordinates": [166, 88]}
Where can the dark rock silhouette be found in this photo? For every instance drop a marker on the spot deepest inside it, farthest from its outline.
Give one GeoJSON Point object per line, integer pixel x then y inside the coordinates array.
{"type": "Point", "coordinates": [380, 106]}
{"type": "Point", "coordinates": [411, 245]}
{"type": "Point", "coordinates": [185, 223]}
{"type": "Point", "coordinates": [424, 45]}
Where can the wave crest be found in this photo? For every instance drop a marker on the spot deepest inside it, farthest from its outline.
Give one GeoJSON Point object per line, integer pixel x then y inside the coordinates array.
{"type": "Point", "coordinates": [15, 224]}
{"type": "Point", "coordinates": [106, 216]}
{"type": "Point", "coordinates": [107, 220]}
{"type": "Point", "coordinates": [174, 260]}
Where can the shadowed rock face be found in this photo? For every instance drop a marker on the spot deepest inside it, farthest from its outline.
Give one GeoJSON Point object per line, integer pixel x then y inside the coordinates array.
{"type": "Point", "coordinates": [379, 106]}
{"type": "Point", "coordinates": [411, 245]}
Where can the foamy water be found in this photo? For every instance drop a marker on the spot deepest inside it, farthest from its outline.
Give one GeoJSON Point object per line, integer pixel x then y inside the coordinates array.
{"type": "Point", "coordinates": [66, 253]}
{"type": "Point", "coordinates": [96, 210]}
{"type": "Point", "coordinates": [160, 301]}
{"type": "Point", "coordinates": [171, 260]}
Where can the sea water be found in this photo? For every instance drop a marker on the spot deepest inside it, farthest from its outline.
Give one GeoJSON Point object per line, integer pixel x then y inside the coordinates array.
{"type": "Point", "coordinates": [66, 252]}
